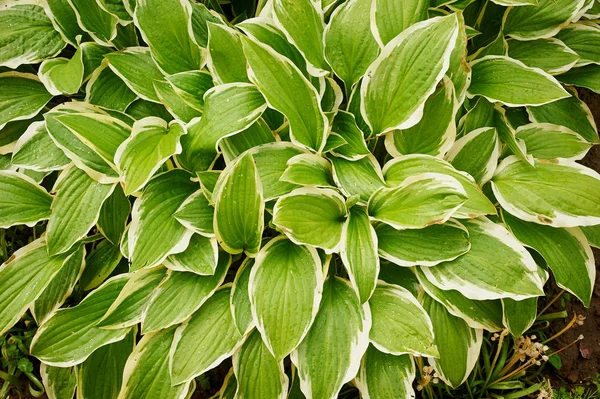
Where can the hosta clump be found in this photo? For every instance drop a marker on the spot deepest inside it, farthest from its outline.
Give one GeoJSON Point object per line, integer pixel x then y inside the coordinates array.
{"type": "Point", "coordinates": [350, 185]}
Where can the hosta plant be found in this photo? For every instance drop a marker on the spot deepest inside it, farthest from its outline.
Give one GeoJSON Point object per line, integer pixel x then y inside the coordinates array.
{"type": "Point", "coordinates": [326, 192]}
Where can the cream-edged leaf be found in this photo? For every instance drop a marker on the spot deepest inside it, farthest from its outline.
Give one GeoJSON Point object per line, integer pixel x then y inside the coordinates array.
{"type": "Point", "coordinates": [137, 69]}
{"type": "Point", "coordinates": [35, 150]}
{"type": "Point", "coordinates": [476, 153]}
{"type": "Point", "coordinates": [23, 200]}
{"type": "Point", "coordinates": [22, 96]}
{"type": "Point", "coordinates": [382, 375]}
{"type": "Point", "coordinates": [548, 141]}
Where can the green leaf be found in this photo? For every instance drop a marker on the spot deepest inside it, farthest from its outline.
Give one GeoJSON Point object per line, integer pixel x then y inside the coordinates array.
{"type": "Point", "coordinates": [166, 26]}
{"type": "Point", "coordinates": [548, 141]}
{"type": "Point", "coordinates": [550, 55]}
{"type": "Point", "coordinates": [200, 257]}
{"type": "Point", "coordinates": [349, 44]}
{"type": "Point", "coordinates": [477, 153]}
{"type": "Point", "coordinates": [592, 233]}
{"type": "Point", "coordinates": [569, 112]}
{"type": "Point", "coordinates": [496, 266]}
{"type": "Point", "coordinates": [75, 208]}
{"type": "Point", "coordinates": [457, 343]}
{"type": "Point", "coordinates": [400, 324]}
{"type": "Point", "coordinates": [354, 148]}
{"type": "Point", "coordinates": [298, 101]}
{"type": "Point", "coordinates": [197, 214]}
{"type": "Point", "coordinates": [61, 286]}
{"type": "Point", "coordinates": [210, 334]}
{"type": "Point", "coordinates": [227, 61]}
{"type": "Point", "coordinates": [100, 263]}
{"type": "Point", "coordinates": [396, 85]}
{"type": "Point", "coordinates": [257, 372]}
{"type": "Point", "coordinates": [64, 20]}
{"type": "Point", "coordinates": [114, 215]}
{"type": "Point", "coordinates": [586, 76]}
{"type": "Point", "coordinates": [240, 298]}
{"type": "Point", "coordinates": [70, 336]}
{"type": "Point", "coordinates": [436, 131]}
{"type": "Point", "coordinates": [24, 277]}
{"type": "Point", "coordinates": [239, 208]}
{"type": "Point", "coordinates": [309, 170]}
{"type": "Point", "coordinates": [271, 161]}
{"type": "Point", "coordinates": [519, 316]}
{"type": "Point", "coordinates": [137, 69]}
{"type": "Point", "coordinates": [285, 289]}
{"type": "Point", "coordinates": [60, 382]}
{"type": "Point", "coordinates": [565, 250]}
{"type": "Point", "coordinates": [228, 109]}
{"type": "Point", "coordinates": [459, 70]}
{"type": "Point", "coordinates": [101, 25]}
{"type": "Point", "coordinates": [398, 169]}
{"type": "Point", "coordinates": [540, 21]}
{"type": "Point", "coordinates": [101, 375]}
{"type": "Point", "coordinates": [390, 18]}
{"type": "Point", "coordinates": [191, 86]}
{"type": "Point", "coordinates": [582, 39]}
{"type": "Point", "coordinates": [175, 103]}
{"type": "Point", "coordinates": [108, 90]}
{"type": "Point", "coordinates": [28, 36]}
{"type": "Point", "coordinates": [254, 135]}
{"type": "Point", "coordinates": [22, 96]}
{"type": "Point", "coordinates": [338, 337]}
{"type": "Point", "coordinates": [35, 150]}
{"type": "Point", "coordinates": [167, 309]}
{"type": "Point", "coordinates": [528, 86]}
{"type": "Point", "coordinates": [23, 200]}
{"type": "Point", "coordinates": [129, 307]}
{"type": "Point", "coordinates": [382, 375]}
{"type": "Point", "coordinates": [312, 216]}
{"type": "Point", "coordinates": [154, 233]}
{"type": "Point", "coordinates": [426, 247]}
{"type": "Point", "coordinates": [302, 22]}
{"type": "Point", "coordinates": [201, 16]}
{"type": "Point", "coordinates": [151, 143]}
{"type": "Point", "coordinates": [482, 114]}
{"type": "Point", "coordinates": [419, 201]}
{"type": "Point", "coordinates": [361, 177]}
{"type": "Point", "coordinates": [61, 75]}
{"type": "Point", "coordinates": [146, 374]}
{"type": "Point", "coordinates": [560, 194]}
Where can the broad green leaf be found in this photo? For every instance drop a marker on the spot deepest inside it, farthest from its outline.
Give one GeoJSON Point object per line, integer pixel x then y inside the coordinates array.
{"type": "Point", "coordinates": [550, 55]}
{"type": "Point", "coordinates": [101, 25]}
{"type": "Point", "coordinates": [75, 208]}
{"type": "Point", "coordinates": [146, 374]}
{"type": "Point", "coordinates": [196, 214]}
{"type": "Point", "coordinates": [309, 170]}
{"type": "Point", "coordinates": [137, 69]}
{"type": "Point", "coordinates": [349, 44]}
{"type": "Point", "coordinates": [191, 86]}
{"type": "Point", "coordinates": [62, 75]}
{"type": "Point", "coordinates": [35, 150]}
{"type": "Point", "coordinates": [312, 216]}
{"type": "Point", "coordinates": [584, 40]}
{"type": "Point", "coordinates": [548, 141]}
{"type": "Point", "coordinates": [519, 316]}
{"type": "Point", "coordinates": [108, 90]}
{"type": "Point", "coordinates": [12, 131]}
{"type": "Point", "coordinates": [400, 324]}
{"type": "Point", "coordinates": [154, 233]}
{"type": "Point", "coordinates": [338, 339]}
{"type": "Point", "coordinates": [560, 194]}
{"type": "Point", "coordinates": [302, 22]}
{"type": "Point", "coordinates": [70, 336]}
{"type": "Point", "coordinates": [166, 308]}
{"type": "Point", "coordinates": [361, 177]}
{"type": "Point", "coordinates": [201, 16]}
{"type": "Point", "coordinates": [151, 143]}
{"type": "Point", "coordinates": [210, 334]}
{"type": "Point", "coordinates": [200, 257]}
{"type": "Point", "coordinates": [254, 135]}
{"type": "Point", "coordinates": [419, 201]}
{"type": "Point", "coordinates": [458, 344]}
{"type": "Point", "coordinates": [228, 109]}
{"type": "Point", "coordinates": [101, 375]}
{"type": "Point", "coordinates": [359, 252]}
{"type": "Point", "coordinates": [99, 264]}
{"type": "Point", "coordinates": [64, 20]}
{"type": "Point", "coordinates": [565, 250]}
{"type": "Point", "coordinates": [390, 18]}
{"type": "Point", "coordinates": [528, 86]}
{"type": "Point", "coordinates": [166, 26]}
{"type": "Point", "coordinates": [227, 61]}
{"type": "Point", "coordinates": [93, 56]}
{"type": "Point", "coordinates": [476, 153]}
{"type": "Point", "coordinates": [285, 289]}
{"type": "Point", "coordinates": [592, 233]}
{"type": "Point", "coordinates": [482, 114]}
{"type": "Point", "coordinates": [436, 131]}
{"type": "Point", "coordinates": [61, 286]}
{"type": "Point", "coordinates": [498, 46]}
{"type": "Point", "coordinates": [354, 148]}
{"type": "Point", "coordinates": [26, 35]}
{"type": "Point", "coordinates": [271, 161]}
{"type": "Point", "coordinates": [586, 76]}
{"type": "Point", "coordinates": [114, 215]}
{"type": "Point", "coordinates": [382, 375]}
{"type": "Point", "coordinates": [257, 373]}
{"type": "Point", "coordinates": [23, 278]}
{"type": "Point", "coordinates": [506, 133]}
{"type": "Point", "coordinates": [396, 85]}
{"type": "Point", "coordinates": [240, 298]}
{"type": "Point", "coordinates": [174, 103]}
{"type": "Point", "coordinates": [496, 266]}
{"type": "Point", "coordinates": [140, 109]}
{"type": "Point", "coordinates": [540, 21]}
{"type": "Point", "coordinates": [22, 96]}
{"type": "Point", "coordinates": [239, 208]}
{"type": "Point", "coordinates": [569, 112]}
{"type": "Point", "coordinates": [60, 382]}
{"type": "Point", "coordinates": [397, 170]}
{"type": "Point", "coordinates": [117, 8]}
{"type": "Point", "coordinates": [298, 101]}
{"type": "Point", "coordinates": [485, 314]}
{"type": "Point", "coordinates": [426, 247]}
{"type": "Point", "coordinates": [23, 201]}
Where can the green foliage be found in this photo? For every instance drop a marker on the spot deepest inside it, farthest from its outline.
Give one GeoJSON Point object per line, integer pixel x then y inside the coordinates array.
{"type": "Point", "coordinates": [366, 189]}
